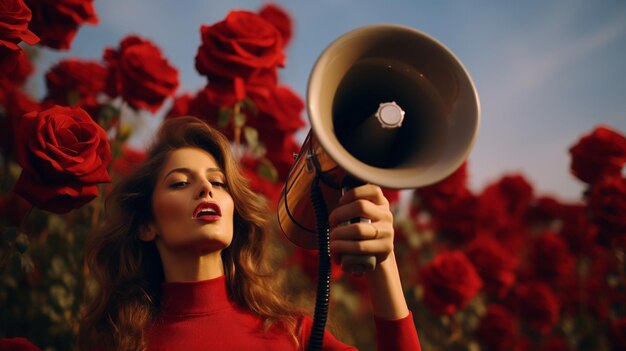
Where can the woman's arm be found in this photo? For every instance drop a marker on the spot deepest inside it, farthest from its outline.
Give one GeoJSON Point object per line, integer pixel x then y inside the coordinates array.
{"type": "Point", "coordinates": [375, 238]}
{"type": "Point", "coordinates": [394, 322]}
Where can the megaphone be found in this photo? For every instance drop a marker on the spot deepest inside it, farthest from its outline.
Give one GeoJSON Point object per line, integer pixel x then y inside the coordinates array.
{"type": "Point", "coordinates": [388, 105]}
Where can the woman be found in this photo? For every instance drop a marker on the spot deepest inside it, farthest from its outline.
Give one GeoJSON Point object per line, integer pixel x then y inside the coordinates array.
{"type": "Point", "coordinates": [181, 261]}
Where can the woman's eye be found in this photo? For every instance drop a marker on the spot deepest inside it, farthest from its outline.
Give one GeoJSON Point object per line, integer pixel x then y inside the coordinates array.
{"type": "Point", "coordinates": [218, 184]}
{"type": "Point", "coordinates": [180, 184]}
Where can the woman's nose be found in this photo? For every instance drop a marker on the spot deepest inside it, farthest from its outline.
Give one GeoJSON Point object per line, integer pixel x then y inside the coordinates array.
{"type": "Point", "coordinates": [206, 188]}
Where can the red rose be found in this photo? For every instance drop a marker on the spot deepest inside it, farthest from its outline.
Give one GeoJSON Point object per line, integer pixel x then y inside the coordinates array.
{"type": "Point", "coordinates": [261, 83]}
{"type": "Point", "coordinates": [128, 160]}
{"type": "Point", "coordinates": [578, 230]}
{"type": "Point", "coordinates": [505, 202]}
{"type": "Point", "coordinates": [57, 21]}
{"type": "Point", "coordinates": [238, 46]}
{"type": "Point", "coordinates": [497, 329]}
{"type": "Point", "coordinates": [392, 195]}
{"type": "Point", "coordinates": [495, 265]}
{"type": "Point", "coordinates": [280, 150]}
{"type": "Point", "coordinates": [598, 154]}
{"type": "Point", "coordinates": [280, 19]}
{"type": "Point", "coordinates": [75, 82]}
{"type": "Point", "coordinates": [618, 334]}
{"type": "Point", "coordinates": [545, 209]}
{"type": "Point", "coordinates": [17, 344]}
{"type": "Point", "coordinates": [13, 209]}
{"type": "Point", "coordinates": [554, 343]}
{"type": "Point", "coordinates": [14, 19]}
{"type": "Point", "coordinates": [307, 260]}
{"type": "Point", "coordinates": [597, 295]}
{"type": "Point", "coordinates": [458, 222]}
{"type": "Point", "coordinates": [215, 96]}
{"type": "Point", "coordinates": [15, 103]}
{"type": "Point", "coordinates": [180, 106]}
{"type": "Point", "coordinates": [550, 258]}
{"type": "Point", "coordinates": [208, 104]}
{"type": "Point", "coordinates": [537, 306]}
{"type": "Point", "coordinates": [436, 198]}
{"type": "Point", "coordinates": [607, 205]}
{"type": "Point", "coordinates": [450, 282]}
{"type": "Point", "coordinates": [281, 109]}
{"type": "Point", "coordinates": [140, 74]}
{"type": "Point", "coordinates": [64, 154]}
{"type": "Point", "coordinates": [259, 174]}
{"type": "Point", "coordinates": [20, 69]}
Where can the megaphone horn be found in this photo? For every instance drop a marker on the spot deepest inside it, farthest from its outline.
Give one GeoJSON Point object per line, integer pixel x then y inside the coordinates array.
{"type": "Point", "coordinates": [388, 105]}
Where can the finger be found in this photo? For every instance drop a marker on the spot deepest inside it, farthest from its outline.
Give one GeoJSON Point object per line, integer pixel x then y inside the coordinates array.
{"type": "Point", "coordinates": [359, 209]}
{"type": "Point", "coordinates": [369, 192]}
{"type": "Point", "coordinates": [358, 231]}
{"type": "Point", "coordinates": [380, 248]}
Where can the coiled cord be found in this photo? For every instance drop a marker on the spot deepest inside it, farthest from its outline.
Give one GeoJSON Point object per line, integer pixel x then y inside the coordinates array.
{"type": "Point", "coordinates": [323, 276]}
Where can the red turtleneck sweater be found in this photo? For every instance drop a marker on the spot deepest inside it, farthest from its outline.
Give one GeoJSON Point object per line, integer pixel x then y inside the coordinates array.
{"type": "Point", "coordinates": [200, 316]}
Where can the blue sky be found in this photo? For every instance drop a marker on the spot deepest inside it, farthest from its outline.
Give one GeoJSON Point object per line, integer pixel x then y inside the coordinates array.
{"type": "Point", "coordinates": [546, 71]}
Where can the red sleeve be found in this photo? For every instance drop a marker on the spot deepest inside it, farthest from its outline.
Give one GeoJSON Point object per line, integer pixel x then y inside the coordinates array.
{"type": "Point", "coordinates": [391, 335]}
{"type": "Point", "coordinates": [397, 335]}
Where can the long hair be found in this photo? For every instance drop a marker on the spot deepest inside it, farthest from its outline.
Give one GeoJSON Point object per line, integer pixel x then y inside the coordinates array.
{"type": "Point", "coordinates": [128, 271]}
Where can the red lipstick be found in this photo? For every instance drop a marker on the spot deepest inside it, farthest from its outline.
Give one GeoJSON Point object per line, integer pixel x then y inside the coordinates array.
{"type": "Point", "coordinates": [207, 211]}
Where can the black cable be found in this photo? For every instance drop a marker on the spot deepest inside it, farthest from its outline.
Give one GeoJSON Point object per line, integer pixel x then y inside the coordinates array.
{"type": "Point", "coordinates": [323, 274]}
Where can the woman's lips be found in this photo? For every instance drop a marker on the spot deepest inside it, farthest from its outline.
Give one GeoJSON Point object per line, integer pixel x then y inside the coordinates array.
{"type": "Point", "coordinates": [207, 211]}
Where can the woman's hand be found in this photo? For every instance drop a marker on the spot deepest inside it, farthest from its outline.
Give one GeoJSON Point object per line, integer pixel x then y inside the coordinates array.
{"type": "Point", "coordinates": [362, 238]}
{"type": "Point", "coordinates": [376, 238]}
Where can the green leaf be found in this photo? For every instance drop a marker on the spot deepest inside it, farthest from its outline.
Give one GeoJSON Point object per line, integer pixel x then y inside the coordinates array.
{"type": "Point", "coordinates": [73, 98]}
{"type": "Point", "coordinates": [106, 115]}
{"type": "Point", "coordinates": [267, 170]}
{"type": "Point", "coordinates": [248, 104]}
{"type": "Point", "coordinates": [223, 118]}
{"type": "Point", "coordinates": [240, 120]}
{"type": "Point", "coordinates": [251, 135]}
{"type": "Point", "coordinates": [258, 150]}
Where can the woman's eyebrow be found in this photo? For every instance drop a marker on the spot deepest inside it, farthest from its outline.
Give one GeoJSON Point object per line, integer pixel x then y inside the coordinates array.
{"type": "Point", "coordinates": [188, 171]}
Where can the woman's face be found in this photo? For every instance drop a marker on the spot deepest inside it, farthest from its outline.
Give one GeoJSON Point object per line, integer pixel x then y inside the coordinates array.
{"type": "Point", "coordinates": [192, 207]}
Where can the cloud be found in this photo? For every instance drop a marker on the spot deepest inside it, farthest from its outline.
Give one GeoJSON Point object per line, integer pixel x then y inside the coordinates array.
{"type": "Point", "coordinates": [533, 58]}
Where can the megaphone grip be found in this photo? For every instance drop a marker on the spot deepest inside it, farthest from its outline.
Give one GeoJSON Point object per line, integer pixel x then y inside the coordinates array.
{"type": "Point", "coordinates": [357, 265]}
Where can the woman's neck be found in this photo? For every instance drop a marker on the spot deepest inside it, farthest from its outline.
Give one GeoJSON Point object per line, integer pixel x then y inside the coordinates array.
{"type": "Point", "coordinates": [190, 266]}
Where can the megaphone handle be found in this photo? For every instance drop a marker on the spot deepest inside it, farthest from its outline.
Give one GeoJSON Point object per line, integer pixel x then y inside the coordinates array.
{"type": "Point", "coordinates": [357, 265]}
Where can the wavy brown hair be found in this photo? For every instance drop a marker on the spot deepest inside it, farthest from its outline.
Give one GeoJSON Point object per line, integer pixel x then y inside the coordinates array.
{"type": "Point", "coordinates": [128, 271]}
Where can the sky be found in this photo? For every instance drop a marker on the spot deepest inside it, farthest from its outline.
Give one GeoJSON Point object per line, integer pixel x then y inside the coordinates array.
{"type": "Point", "coordinates": [547, 72]}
